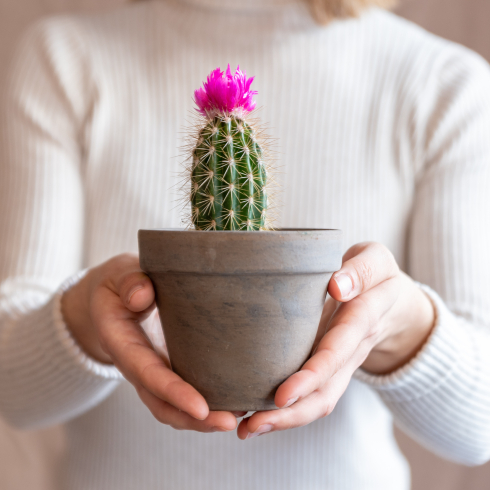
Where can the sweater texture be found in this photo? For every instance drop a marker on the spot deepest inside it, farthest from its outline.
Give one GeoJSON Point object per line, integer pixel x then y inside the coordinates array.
{"type": "Point", "coordinates": [383, 131]}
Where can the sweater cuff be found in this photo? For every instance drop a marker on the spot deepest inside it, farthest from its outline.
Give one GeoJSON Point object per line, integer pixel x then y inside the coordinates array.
{"type": "Point", "coordinates": [433, 366]}
{"type": "Point", "coordinates": [46, 378]}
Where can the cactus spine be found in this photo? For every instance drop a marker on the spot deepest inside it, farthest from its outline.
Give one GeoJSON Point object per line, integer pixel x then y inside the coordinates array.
{"type": "Point", "coordinates": [228, 182]}
{"type": "Point", "coordinates": [228, 168]}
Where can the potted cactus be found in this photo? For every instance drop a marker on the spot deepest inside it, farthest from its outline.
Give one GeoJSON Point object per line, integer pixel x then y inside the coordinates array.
{"type": "Point", "coordinates": [239, 302]}
{"type": "Point", "coordinates": [226, 165]}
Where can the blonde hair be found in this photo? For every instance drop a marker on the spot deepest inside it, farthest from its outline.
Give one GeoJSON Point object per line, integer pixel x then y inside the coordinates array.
{"type": "Point", "coordinates": [326, 10]}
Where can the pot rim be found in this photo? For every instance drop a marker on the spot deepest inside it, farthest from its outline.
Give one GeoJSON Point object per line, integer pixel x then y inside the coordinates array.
{"type": "Point", "coordinates": [276, 230]}
{"type": "Point", "coordinates": [290, 251]}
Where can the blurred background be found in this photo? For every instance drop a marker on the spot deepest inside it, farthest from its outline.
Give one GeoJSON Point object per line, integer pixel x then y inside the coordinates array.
{"type": "Point", "coordinates": [29, 459]}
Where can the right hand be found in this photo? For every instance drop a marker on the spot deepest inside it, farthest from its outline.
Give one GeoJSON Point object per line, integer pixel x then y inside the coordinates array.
{"type": "Point", "coordinates": [104, 311]}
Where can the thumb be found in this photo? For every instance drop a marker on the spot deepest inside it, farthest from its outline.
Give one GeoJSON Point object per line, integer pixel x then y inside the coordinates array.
{"type": "Point", "coordinates": [136, 291]}
{"type": "Point", "coordinates": [365, 266]}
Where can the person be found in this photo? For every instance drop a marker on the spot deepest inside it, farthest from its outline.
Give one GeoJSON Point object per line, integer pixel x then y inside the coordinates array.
{"type": "Point", "coordinates": [383, 133]}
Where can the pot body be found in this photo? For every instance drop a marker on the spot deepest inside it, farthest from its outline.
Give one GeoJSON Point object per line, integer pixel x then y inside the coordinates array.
{"type": "Point", "coordinates": [239, 310]}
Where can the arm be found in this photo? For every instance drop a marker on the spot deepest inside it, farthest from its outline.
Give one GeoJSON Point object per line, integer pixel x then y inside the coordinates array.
{"type": "Point", "coordinates": [45, 378]}
{"type": "Point", "coordinates": [442, 397]}
{"type": "Point", "coordinates": [439, 386]}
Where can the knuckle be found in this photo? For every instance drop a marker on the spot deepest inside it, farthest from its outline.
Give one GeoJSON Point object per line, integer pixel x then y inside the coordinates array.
{"type": "Point", "coordinates": [378, 247]}
{"type": "Point", "coordinates": [288, 422]}
{"type": "Point", "coordinates": [356, 249]}
{"type": "Point", "coordinates": [336, 360]}
{"type": "Point", "coordinates": [160, 417]}
{"type": "Point", "coordinates": [118, 268]}
{"type": "Point", "coordinates": [365, 274]}
{"type": "Point", "coordinates": [130, 257]}
{"type": "Point", "coordinates": [122, 260]}
{"type": "Point", "coordinates": [144, 373]}
{"type": "Point", "coordinates": [386, 257]}
{"type": "Point", "coordinates": [130, 280]}
{"type": "Point", "coordinates": [327, 409]}
{"type": "Point", "coordinates": [374, 331]}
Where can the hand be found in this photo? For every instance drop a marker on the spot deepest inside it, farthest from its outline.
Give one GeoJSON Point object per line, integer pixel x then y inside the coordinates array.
{"type": "Point", "coordinates": [104, 312]}
{"type": "Point", "coordinates": [382, 321]}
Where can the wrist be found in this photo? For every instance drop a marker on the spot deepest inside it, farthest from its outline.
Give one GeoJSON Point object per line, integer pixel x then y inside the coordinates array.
{"type": "Point", "coordinates": [75, 310]}
{"type": "Point", "coordinates": [411, 333]}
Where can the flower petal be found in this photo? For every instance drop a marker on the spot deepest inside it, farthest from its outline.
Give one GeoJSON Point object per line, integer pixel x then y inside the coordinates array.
{"type": "Point", "coordinates": [225, 92]}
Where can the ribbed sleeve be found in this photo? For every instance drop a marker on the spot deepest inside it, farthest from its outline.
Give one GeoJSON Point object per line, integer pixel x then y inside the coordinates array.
{"type": "Point", "coordinates": [441, 397]}
{"type": "Point", "coordinates": [48, 379]}
{"type": "Point", "coordinates": [44, 378]}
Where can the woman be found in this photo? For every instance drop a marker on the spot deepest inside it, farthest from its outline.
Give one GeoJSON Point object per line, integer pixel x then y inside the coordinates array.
{"type": "Point", "coordinates": [383, 132]}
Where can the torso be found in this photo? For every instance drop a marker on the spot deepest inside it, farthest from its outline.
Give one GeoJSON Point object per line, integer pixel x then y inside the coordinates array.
{"type": "Point", "coordinates": [334, 98]}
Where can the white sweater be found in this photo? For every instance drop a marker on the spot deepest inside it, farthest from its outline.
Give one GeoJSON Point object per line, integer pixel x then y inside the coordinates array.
{"type": "Point", "coordinates": [384, 132]}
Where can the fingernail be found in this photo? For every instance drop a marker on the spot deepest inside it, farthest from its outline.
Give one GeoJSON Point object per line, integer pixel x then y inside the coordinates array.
{"type": "Point", "coordinates": [219, 429]}
{"type": "Point", "coordinates": [290, 402]}
{"type": "Point", "coordinates": [344, 283]}
{"type": "Point", "coordinates": [130, 295]}
{"type": "Point", "coordinates": [261, 430]}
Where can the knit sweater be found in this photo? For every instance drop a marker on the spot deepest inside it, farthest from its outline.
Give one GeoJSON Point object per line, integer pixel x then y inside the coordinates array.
{"type": "Point", "coordinates": [383, 131]}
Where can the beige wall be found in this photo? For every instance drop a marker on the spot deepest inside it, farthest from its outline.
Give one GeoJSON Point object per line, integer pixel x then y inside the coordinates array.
{"type": "Point", "coordinates": [28, 460]}
{"type": "Point", "coordinates": [463, 21]}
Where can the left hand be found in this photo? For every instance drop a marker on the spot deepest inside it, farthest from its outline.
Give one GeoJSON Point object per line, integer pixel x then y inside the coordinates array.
{"type": "Point", "coordinates": [382, 321]}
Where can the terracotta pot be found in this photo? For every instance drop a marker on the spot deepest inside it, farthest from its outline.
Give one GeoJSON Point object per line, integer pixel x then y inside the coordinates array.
{"type": "Point", "coordinates": [239, 310]}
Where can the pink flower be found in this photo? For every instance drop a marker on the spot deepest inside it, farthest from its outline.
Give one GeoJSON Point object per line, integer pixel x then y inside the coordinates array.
{"type": "Point", "coordinates": [225, 92]}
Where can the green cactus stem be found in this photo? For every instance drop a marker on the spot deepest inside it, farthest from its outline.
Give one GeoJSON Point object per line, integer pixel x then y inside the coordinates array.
{"type": "Point", "coordinates": [229, 177]}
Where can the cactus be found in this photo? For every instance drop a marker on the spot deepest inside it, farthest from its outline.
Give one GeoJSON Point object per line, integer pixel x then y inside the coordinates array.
{"type": "Point", "coordinates": [227, 167]}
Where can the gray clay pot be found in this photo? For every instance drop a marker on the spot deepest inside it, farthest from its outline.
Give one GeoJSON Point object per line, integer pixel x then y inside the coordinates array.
{"type": "Point", "coordinates": [239, 310]}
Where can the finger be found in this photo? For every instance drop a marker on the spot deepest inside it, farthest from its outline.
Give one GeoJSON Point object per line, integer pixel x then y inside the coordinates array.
{"type": "Point", "coordinates": [122, 275]}
{"type": "Point", "coordinates": [352, 323]}
{"type": "Point", "coordinates": [132, 353]}
{"type": "Point", "coordinates": [328, 310]}
{"type": "Point", "coordinates": [170, 415]}
{"type": "Point", "coordinates": [317, 405]}
{"type": "Point", "coordinates": [136, 291]}
{"type": "Point", "coordinates": [365, 266]}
